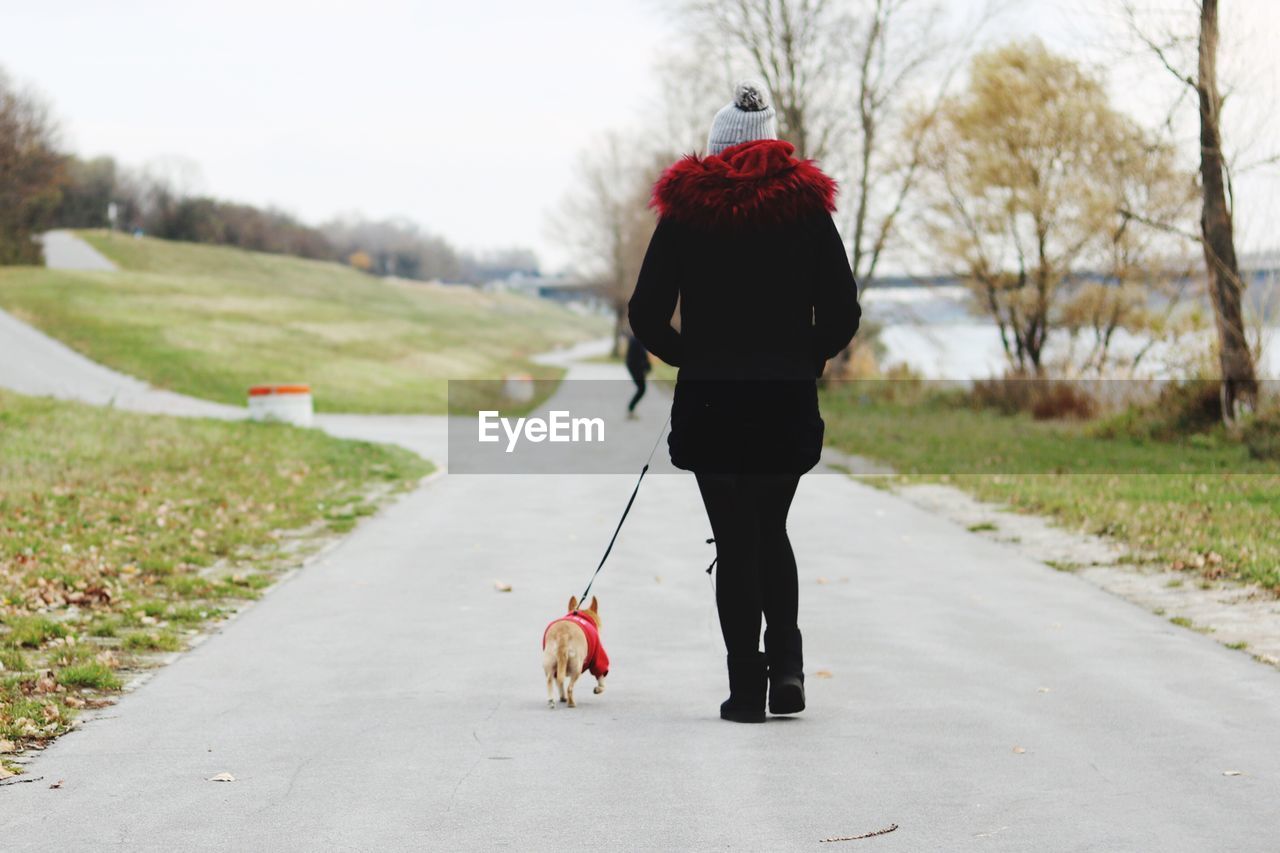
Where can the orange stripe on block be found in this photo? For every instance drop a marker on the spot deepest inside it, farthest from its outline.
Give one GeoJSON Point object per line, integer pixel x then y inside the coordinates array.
{"type": "Point", "coordinates": [264, 390]}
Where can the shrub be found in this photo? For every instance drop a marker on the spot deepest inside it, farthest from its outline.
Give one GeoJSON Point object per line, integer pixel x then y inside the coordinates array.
{"type": "Point", "coordinates": [1261, 435]}
{"type": "Point", "coordinates": [1008, 394]}
{"type": "Point", "coordinates": [1188, 407]}
{"type": "Point", "coordinates": [1180, 409]}
{"type": "Point", "coordinates": [1044, 399]}
{"type": "Point", "coordinates": [1055, 400]}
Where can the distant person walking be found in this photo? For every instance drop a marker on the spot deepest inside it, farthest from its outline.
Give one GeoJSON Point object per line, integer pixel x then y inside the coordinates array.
{"type": "Point", "coordinates": [638, 366]}
{"type": "Point", "coordinates": [746, 242]}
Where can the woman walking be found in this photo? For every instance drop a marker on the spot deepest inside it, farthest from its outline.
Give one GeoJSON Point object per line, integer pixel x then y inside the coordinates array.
{"type": "Point", "coordinates": [746, 242]}
{"type": "Point", "coordinates": [638, 366]}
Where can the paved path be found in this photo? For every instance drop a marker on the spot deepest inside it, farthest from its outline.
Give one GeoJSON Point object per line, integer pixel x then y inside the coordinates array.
{"type": "Point", "coordinates": [31, 362]}
{"type": "Point", "coordinates": [63, 250]}
{"type": "Point", "coordinates": [388, 698]}
{"type": "Point", "coordinates": [34, 363]}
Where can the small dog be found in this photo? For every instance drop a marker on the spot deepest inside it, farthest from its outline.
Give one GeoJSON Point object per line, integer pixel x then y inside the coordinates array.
{"type": "Point", "coordinates": [571, 646]}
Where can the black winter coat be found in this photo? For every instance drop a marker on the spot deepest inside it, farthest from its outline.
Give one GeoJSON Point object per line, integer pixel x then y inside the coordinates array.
{"type": "Point", "coordinates": [746, 243]}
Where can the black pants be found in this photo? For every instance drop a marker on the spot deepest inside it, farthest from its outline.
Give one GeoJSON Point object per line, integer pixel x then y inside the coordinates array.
{"type": "Point", "coordinates": [756, 570]}
{"type": "Point", "coordinates": [637, 376]}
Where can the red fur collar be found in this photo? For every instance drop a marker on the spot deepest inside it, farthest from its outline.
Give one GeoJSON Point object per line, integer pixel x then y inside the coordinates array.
{"type": "Point", "coordinates": [757, 182]}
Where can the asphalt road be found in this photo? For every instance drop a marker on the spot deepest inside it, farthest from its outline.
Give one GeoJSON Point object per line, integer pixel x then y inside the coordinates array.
{"type": "Point", "coordinates": [387, 697]}
{"type": "Point", "coordinates": [64, 250]}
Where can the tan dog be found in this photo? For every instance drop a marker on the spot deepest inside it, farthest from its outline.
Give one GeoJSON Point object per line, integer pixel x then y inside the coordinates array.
{"type": "Point", "coordinates": [571, 646]}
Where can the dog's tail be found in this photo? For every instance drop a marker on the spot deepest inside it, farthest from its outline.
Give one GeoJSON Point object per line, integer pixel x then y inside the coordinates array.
{"type": "Point", "coordinates": [562, 659]}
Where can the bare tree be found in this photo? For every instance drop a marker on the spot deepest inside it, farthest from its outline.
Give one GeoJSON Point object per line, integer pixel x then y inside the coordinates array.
{"type": "Point", "coordinates": [87, 192]}
{"type": "Point", "coordinates": [795, 48]}
{"type": "Point", "coordinates": [695, 78]}
{"type": "Point", "coordinates": [605, 221]}
{"type": "Point", "coordinates": [1217, 230]}
{"type": "Point", "coordinates": [903, 66]}
{"type": "Point", "coordinates": [31, 173]}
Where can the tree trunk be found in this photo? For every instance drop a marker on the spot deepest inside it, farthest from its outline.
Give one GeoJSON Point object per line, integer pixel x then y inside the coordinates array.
{"type": "Point", "coordinates": [1239, 383]}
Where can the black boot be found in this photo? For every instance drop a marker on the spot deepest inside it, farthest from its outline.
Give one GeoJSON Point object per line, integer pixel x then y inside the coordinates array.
{"type": "Point", "coordinates": [786, 670]}
{"type": "Point", "coordinates": [748, 676]}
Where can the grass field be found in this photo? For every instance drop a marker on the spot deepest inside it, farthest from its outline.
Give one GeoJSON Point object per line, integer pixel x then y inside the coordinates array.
{"type": "Point", "coordinates": [1201, 504]}
{"type": "Point", "coordinates": [212, 321]}
{"type": "Point", "coordinates": [120, 534]}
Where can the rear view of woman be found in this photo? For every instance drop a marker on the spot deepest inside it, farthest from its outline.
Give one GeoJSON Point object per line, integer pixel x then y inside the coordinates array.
{"type": "Point", "coordinates": [746, 242]}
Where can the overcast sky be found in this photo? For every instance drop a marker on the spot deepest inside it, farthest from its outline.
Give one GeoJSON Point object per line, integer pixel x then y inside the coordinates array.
{"type": "Point", "coordinates": [465, 116]}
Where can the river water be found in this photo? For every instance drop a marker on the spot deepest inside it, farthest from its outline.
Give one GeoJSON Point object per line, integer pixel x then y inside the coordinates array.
{"type": "Point", "coordinates": [932, 331]}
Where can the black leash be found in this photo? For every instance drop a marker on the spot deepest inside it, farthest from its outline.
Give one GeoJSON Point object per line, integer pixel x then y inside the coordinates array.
{"type": "Point", "coordinates": [582, 598]}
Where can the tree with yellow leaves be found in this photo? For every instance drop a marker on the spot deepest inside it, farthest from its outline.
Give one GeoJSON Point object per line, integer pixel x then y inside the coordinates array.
{"type": "Point", "coordinates": [1032, 177]}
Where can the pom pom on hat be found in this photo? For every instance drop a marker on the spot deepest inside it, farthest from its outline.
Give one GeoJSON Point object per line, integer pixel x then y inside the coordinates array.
{"type": "Point", "coordinates": [750, 97]}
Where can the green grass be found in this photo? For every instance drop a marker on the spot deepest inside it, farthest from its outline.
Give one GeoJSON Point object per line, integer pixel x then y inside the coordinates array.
{"type": "Point", "coordinates": [12, 660]}
{"type": "Point", "coordinates": [118, 531]}
{"type": "Point", "coordinates": [31, 712]}
{"type": "Point", "coordinates": [94, 674]}
{"type": "Point", "coordinates": [212, 321]}
{"type": "Point", "coordinates": [1202, 504]}
{"type": "Point", "coordinates": [30, 631]}
{"type": "Point", "coordinates": [160, 641]}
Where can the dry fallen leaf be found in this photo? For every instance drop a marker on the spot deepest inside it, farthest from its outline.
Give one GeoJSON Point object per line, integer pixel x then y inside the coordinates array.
{"type": "Point", "coordinates": [222, 777]}
{"type": "Point", "coordinates": [1232, 773]}
{"type": "Point", "coordinates": [822, 580]}
{"type": "Point", "coordinates": [1019, 749]}
{"type": "Point", "coordinates": [57, 784]}
{"type": "Point", "coordinates": [502, 586]}
{"type": "Point", "coordinates": [1042, 690]}
{"type": "Point", "coordinates": [823, 673]}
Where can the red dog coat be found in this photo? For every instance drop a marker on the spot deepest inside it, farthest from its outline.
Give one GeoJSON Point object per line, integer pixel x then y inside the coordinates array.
{"type": "Point", "coordinates": [597, 661]}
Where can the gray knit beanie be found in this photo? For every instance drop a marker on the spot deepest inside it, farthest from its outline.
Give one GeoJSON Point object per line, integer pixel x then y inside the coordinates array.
{"type": "Point", "coordinates": [748, 117]}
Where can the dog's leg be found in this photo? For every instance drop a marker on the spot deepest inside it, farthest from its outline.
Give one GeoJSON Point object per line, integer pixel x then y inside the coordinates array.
{"type": "Point", "coordinates": [573, 679]}
{"type": "Point", "coordinates": [599, 688]}
{"type": "Point", "coordinates": [549, 669]}
{"type": "Point", "coordinates": [562, 663]}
